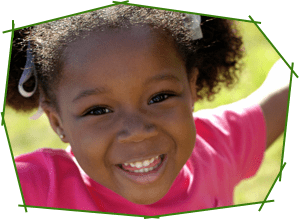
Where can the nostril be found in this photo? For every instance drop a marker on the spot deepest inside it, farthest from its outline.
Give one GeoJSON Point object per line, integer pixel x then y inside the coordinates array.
{"type": "Point", "coordinates": [137, 135]}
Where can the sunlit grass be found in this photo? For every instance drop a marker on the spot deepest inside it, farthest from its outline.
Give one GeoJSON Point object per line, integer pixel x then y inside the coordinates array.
{"type": "Point", "coordinates": [28, 135]}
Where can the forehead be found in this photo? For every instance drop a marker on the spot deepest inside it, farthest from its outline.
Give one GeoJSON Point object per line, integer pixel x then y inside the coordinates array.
{"type": "Point", "coordinates": [135, 51]}
{"type": "Point", "coordinates": [122, 40]}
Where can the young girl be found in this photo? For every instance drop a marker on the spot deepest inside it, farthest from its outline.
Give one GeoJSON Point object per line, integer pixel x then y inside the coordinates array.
{"type": "Point", "coordinates": [119, 86]}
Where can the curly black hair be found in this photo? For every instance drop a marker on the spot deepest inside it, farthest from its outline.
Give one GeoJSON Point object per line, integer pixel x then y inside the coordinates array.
{"type": "Point", "coordinates": [217, 55]}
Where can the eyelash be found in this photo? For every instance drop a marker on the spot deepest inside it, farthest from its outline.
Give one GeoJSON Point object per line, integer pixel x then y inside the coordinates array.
{"type": "Point", "coordinates": [103, 110]}
{"type": "Point", "coordinates": [167, 93]}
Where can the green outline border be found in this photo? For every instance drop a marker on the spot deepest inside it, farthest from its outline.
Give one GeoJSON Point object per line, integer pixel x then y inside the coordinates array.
{"type": "Point", "coordinates": [127, 3]}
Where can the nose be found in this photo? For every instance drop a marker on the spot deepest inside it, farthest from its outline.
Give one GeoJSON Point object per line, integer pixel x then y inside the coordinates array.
{"type": "Point", "coordinates": [136, 129]}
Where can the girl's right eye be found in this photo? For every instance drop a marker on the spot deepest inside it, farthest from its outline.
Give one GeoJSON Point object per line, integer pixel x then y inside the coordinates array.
{"type": "Point", "coordinates": [97, 111]}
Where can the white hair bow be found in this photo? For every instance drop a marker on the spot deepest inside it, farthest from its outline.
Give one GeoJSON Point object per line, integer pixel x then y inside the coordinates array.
{"type": "Point", "coordinates": [27, 73]}
{"type": "Point", "coordinates": [193, 23]}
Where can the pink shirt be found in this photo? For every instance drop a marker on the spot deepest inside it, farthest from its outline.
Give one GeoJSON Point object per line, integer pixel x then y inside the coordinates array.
{"type": "Point", "coordinates": [229, 147]}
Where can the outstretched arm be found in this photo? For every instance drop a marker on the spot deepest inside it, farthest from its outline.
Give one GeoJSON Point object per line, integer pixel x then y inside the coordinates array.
{"type": "Point", "coordinates": [272, 96]}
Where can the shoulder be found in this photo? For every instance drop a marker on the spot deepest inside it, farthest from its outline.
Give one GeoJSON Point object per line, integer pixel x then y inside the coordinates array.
{"type": "Point", "coordinates": [38, 172]}
{"type": "Point", "coordinates": [42, 160]}
{"type": "Point", "coordinates": [233, 136]}
{"type": "Point", "coordinates": [227, 118]}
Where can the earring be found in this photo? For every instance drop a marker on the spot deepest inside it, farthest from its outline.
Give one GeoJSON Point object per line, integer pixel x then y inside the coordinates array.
{"type": "Point", "coordinates": [61, 136]}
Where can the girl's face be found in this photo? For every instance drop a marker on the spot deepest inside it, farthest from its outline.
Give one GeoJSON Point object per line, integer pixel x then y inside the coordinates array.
{"type": "Point", "coordinates": [126, 109]}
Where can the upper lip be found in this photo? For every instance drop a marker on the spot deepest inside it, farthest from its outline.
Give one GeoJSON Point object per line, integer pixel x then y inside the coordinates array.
{"type": "Point", "coordinates": [134, 160]}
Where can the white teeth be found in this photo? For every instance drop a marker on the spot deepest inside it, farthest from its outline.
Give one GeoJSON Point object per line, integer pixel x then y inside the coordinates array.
{"type": "Point", "coordinates": [140, 164]}
{"type": "Point", "coordinates": [145, 170]}
{"type": "Point", "coordinates": [152, 160]}
{"type": "Point", "coordinates": [146, 163]}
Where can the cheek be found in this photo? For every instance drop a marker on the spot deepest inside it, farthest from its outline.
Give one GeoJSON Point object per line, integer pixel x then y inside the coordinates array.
{"type": "Point", "coordinates": [181, 119]}
{"type": "Point", "coordinates": [179, 123]}
{"type": "Point", "coordinates": [90, 143]}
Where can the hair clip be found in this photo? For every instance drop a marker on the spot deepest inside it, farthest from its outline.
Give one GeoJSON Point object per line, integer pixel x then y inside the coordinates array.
{"type": "Point", "coordinates": [38, 113]}
{"type": "Point", "coordinates": [27, 73]}
{"type": "Point", "coordinates": [193, 21]}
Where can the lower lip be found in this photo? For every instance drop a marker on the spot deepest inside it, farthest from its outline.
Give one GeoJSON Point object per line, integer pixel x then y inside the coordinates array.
{"type": "Point", "coordinates": [145, 178]}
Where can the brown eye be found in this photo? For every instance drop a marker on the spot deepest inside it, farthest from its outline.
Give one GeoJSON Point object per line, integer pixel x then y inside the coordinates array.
{"type": "Point", "coordinates": [97, 111]}
{"type": "Point", "coordinates": [160, 98]}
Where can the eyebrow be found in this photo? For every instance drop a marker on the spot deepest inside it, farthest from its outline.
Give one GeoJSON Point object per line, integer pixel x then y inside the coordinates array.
{"type": "Point", "coordinates": [90, 92]}
{"type": "Point", "coordinates": [162, 77]}
{"type": "Point", "coordinates": [102, 90]}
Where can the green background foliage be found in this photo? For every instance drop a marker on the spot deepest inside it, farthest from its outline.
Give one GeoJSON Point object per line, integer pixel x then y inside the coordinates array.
{"type": "Point", "coordinates": [28, 135]}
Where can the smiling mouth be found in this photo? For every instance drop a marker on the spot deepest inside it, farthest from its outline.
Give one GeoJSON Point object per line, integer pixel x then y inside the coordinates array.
{"type": "Point", "coordinates": [144, 172]}
{"type": "Point", "coordinates": [143, 167]}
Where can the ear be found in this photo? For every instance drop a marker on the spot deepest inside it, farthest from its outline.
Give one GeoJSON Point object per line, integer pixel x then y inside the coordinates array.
{"type": "Point", "coordinates": [192, 84]}
{"type": "Point", "coordinates": [55, 122]}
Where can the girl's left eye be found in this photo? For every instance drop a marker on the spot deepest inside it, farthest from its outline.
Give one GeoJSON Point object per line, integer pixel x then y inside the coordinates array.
{"type": "Point", "coordinates": [160, 97]}
{"type": "Point", "coordinates": [97, 111]}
